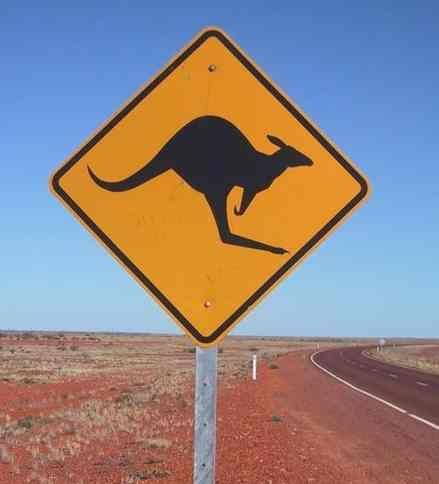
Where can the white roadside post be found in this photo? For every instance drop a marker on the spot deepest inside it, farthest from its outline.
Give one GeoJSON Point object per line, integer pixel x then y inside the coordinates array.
{"type": "Point", "coordinates": [254, 368]}
{"type": "Point", "coordinates": [205, 415]}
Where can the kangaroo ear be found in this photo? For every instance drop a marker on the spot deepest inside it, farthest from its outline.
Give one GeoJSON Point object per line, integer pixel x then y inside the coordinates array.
{"type": "Point", "coordinates": [276, 141]}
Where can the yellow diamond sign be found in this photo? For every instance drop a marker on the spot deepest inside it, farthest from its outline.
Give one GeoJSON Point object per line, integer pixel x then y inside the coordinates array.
{"type": "Point", "coordinates": [209, 186]}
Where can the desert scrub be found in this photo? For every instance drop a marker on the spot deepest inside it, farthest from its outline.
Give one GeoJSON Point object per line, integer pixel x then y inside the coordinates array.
{"type": "Point", "coordinates": [189, 350]}
{"type": "Point", "coordinates": [157, 443]}
{"type": "Point", "coordinates": [26, 422]}
{"type": "Point", "coordinates": [5, 456]}
{"type": "Point", "coordinates": [421, 357]}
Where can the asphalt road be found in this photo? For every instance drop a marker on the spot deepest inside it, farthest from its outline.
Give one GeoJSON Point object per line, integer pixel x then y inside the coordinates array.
{"type": "Point", "coordinates": [415, 392]}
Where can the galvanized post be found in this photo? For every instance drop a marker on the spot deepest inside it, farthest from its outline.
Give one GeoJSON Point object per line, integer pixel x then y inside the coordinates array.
{"type": "Point", "coordinates": [205, 416]}
{"type": "Point", "coordinates": [254, 368]}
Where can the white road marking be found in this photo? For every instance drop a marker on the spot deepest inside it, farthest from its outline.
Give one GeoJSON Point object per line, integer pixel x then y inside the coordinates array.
{"type": "Point", "coordinates": [374, 397]}
{"type": "Point", "coordinates": [392, 375]}
{"type": "Point", "coordinates": [422, 383]}
{"type": "Point", "coordinates": [423, 420]}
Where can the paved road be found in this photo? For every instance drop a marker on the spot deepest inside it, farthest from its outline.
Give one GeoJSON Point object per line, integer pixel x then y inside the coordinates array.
{"type": "Point", "coordinates": [411, 390]}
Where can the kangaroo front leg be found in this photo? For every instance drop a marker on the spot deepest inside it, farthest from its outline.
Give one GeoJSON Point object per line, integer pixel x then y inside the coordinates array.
{"type": "Point", "coordinates": [218, 205]}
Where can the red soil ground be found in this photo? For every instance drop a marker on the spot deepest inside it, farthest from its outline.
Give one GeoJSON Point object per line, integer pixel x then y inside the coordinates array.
{"type": "Point", "coordinates": [322, 433]}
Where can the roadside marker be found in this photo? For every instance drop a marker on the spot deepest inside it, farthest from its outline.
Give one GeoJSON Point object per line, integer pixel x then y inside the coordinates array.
{"type": "Point", "coordinates": [254, 368]}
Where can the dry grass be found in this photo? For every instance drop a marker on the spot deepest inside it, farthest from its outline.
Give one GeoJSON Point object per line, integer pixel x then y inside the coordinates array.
{"type": "Point", "coordinates": [37, 358]}
{"type": "Point", "coordinates": [158, 443]}
{"type": "Point", "coordinates": [421, 357]}
{"type": "Point", "coordinates": [134, 380]}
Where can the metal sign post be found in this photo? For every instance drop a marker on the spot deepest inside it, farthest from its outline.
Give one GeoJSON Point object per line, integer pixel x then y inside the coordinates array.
{"type": "Point", "coordinates": [205, 415]}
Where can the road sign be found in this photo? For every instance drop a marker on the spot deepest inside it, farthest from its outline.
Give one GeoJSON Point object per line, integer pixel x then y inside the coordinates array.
{"type": "Point", "coordinates": [209, 186]}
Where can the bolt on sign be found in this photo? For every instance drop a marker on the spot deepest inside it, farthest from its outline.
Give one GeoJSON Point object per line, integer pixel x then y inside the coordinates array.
{"type": "Point", "coordinates": [209, 186]}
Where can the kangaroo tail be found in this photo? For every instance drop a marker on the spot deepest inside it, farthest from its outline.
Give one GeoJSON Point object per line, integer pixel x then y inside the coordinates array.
{"type": "Point", "coordinates": [148, 172]}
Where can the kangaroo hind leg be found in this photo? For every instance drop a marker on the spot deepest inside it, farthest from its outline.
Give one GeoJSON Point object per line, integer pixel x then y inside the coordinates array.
{"type": "Point", "coordinates": [218, 204]}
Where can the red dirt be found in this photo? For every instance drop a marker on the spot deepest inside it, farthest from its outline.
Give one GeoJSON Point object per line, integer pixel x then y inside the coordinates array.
{"type": "Point", "coordinates": [342, 435]}
{"type": "Point", "coordinates": [21, 400]}
{"type": "Point", "coordinates": [326, 434]}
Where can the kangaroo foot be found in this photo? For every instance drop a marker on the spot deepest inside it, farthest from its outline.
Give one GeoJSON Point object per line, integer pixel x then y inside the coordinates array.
{"type": "Point", "coordinates": [279, 250]}
{"type": "Point", "coordinates": [233, 239]}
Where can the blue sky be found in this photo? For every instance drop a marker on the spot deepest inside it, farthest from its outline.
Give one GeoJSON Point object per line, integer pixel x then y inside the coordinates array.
{"type": "Point", "coordinates": [367, 74]}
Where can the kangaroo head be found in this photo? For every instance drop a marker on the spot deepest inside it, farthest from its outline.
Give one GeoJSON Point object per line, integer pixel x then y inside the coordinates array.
{"type": "Point", "coordinates": [287, 155]}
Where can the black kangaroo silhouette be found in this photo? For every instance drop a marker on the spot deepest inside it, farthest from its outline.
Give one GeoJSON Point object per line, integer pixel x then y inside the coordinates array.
{"type": "Point", "coordinates": [213, 156]}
